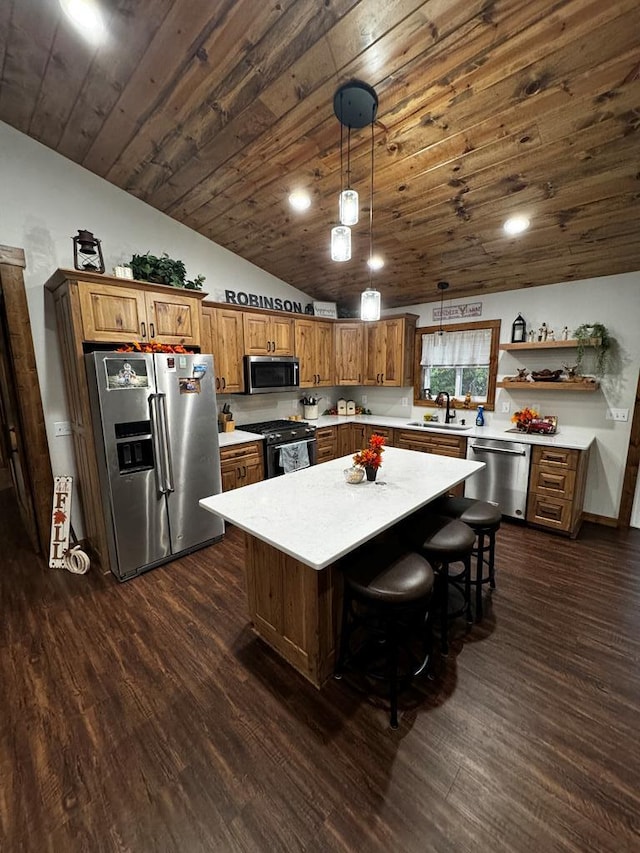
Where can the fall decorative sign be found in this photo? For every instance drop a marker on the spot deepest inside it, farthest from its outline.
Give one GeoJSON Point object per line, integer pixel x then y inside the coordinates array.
{"type": "Point", "coordinates": [60, 521]}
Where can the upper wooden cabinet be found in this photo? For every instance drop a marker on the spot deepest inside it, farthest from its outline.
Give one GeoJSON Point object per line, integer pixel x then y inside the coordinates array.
{"type": "Point", "coordinates": [268, 334]}
{"type": "Point", "coordinates": [223, 335]}
{"type": "Point", "coordinates": [122, 313]}
{"type": "Point", "coordinates": [389, 348]}
{"type": "Point", "coordinates": [314, 348]}
{"type": "Point", "coordinates": [349, 347]}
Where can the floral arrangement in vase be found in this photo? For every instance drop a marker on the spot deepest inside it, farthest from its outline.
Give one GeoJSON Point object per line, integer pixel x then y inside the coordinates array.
{"type": "Point", "coordinates": [523, 418]}
{"type": "Point", "coordinates": [371, 457]}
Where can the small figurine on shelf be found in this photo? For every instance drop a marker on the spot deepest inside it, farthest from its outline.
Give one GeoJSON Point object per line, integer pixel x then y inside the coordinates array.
{"type": "Point", "coordinates": [565, 334]}
{"type": "Point", "coordinates": [523, 375]}
{"type": "Point", "coordinates": [551, 336]}
{"type": "Point", "coordinates": [467, 401]}
{"type": "Point", "coordinates": [532, 335]}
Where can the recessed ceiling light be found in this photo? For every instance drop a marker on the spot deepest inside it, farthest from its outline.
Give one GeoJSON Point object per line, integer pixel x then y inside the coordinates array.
{"type": "Point", "coordinates": [86, 16]}
{"type": "Point", "coordinates": [300, 200]}
{"type": "Point", "coordinates": [375, 262]}
{"type": "Point", "coordinates": [516, 225]}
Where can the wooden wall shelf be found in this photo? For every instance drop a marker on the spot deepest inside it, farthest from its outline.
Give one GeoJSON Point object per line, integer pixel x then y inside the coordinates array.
{"type": "Point", "coordinates": [548, 386]}
{"type": "Point", "coordinates": [532, 345]}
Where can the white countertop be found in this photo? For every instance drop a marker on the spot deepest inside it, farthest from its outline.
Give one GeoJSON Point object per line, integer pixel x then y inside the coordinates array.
{"type": "Point", "coordinates": [575, 438]}
{"type": "Point", "coordinates": [315, 516]}
{"type": "Point", "coordinates": [238, 436]}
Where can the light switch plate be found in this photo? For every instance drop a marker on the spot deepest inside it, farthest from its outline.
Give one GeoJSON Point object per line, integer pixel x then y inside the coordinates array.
{"type": "Point", "coordinates": [62, 428]}
{"type": "Point", "coordinates": [364, 399]}
{"type": "Point", "coordinates": [618, 415]}
{"type": "Point", "coordinates": [506, 407]}
{"type": "Point", "coordinates": [404, 402]}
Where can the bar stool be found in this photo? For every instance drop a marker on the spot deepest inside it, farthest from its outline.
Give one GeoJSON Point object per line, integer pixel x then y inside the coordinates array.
{"type": "Point", "coordinates": [387, 593]}
{"type": "Point", "coordinates": [484, 519]}
{"type": "Point", "coordinates": [444, 541]}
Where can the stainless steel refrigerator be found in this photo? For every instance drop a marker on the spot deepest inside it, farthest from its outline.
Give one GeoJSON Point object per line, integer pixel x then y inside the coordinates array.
{"type": "Point", "coordinates": [156, 431]}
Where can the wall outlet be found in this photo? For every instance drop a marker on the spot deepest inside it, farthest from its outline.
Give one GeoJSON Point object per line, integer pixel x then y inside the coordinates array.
{"type": "Point", "coordinates": [618, 415]}
{"type": "Point", "coordinates": [506, 407]}
{"type": "Point", "coordinates": [364, 399]}
{"type": "Point", "coordinates": [404, 402]}
{"type": "Point", "coordinates": [62, 428]}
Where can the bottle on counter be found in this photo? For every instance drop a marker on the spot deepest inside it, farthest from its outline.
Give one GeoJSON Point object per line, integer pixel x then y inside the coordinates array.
{"type": "Point", "coordinates": [480, 416]}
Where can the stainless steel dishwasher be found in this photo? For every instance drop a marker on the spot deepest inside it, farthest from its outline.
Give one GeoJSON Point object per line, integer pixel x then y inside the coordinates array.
{"type": "Point", "coordinates": [505, 480]}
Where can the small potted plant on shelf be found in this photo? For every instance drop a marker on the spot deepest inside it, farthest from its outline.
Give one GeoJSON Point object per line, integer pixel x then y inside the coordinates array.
{"type": "Point", "coordinates": [371, 457]}
{"type": "Point", "coordinates": [597, 336]}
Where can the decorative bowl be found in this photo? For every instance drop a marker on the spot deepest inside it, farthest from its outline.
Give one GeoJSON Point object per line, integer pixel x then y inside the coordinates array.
{"type": "Point", "coordinates": [546, 375]}
{"type": "Point", "coordinates": [354, 475]}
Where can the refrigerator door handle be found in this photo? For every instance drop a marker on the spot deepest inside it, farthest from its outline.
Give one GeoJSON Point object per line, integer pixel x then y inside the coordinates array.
{"type": "Point", "coordinates": [158, 443]}
{"type": "Point", "coordinates": [166, 462]}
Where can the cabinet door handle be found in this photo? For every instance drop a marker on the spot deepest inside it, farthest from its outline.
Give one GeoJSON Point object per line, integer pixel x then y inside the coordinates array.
{"type": "Point", "coordinates": [273, 346]}
{"type": "Point", "coordinates": [268, 346]}
{"type": "Point", "coordinates": [224, 383]}
{"type": "Point", "coordinates": [239, 473]}
{"type": "Point", "coordinates": [143, 327]}
{"type": "Point", "coordinates": [153, 331]}
{"type": "Point", "coordinates": [382, 378]}
{"type": "Point", "coordinates": [217, 384]}
{"type": "Point", "coordinates": [244, 471]}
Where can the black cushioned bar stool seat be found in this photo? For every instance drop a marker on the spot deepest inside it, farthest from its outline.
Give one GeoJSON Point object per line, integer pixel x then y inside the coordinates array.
{"type": "Point", "coordinates": [443, 541]}
{"type": "Point", "coordinates": [484, 519]}
{"type": "Point", "coordinates": [387, 592]}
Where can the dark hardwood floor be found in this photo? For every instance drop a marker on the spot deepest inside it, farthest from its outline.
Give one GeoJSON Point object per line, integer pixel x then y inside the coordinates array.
{"type": "Point", "coordinates": [146, 717]}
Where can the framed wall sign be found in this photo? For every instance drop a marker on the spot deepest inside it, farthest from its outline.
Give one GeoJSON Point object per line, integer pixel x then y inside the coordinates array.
{"type": "Point", "coordinates": [325, 309]}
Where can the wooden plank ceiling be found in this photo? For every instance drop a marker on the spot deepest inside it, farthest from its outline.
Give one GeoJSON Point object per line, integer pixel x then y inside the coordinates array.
{"type": "Point", "coordinates": [213, 111]}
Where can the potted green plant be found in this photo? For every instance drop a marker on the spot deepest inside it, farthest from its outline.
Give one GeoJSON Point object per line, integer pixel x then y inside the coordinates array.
{"type": "Point", "coordinates": [595, 335]}
{"type": "Point", "coordinates": [163, 270]}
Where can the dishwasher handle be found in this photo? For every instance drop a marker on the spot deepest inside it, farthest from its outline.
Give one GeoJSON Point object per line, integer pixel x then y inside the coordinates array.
{"type": "Point", "coordinates": [477, 448]}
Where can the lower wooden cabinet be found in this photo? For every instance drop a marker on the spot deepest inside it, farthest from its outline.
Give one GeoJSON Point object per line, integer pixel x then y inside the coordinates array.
{"type": "Point", "coordinates": [438, 443]}
{"type": "Point", "coordinates": [327, 443]}
{"type": "Point", "coordinates": [241, 465]}
{"type": "Point", "coordinates": [387, 432]}
{"type": "Point", "coordinates": [556, 488]}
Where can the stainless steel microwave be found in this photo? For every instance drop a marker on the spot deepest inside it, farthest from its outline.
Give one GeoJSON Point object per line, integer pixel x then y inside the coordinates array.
{"type": "Point", "coordinates": [264, 374]}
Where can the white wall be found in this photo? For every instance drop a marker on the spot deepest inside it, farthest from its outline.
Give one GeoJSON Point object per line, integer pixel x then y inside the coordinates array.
{"type": "Point", "coordinates": [44, 200]}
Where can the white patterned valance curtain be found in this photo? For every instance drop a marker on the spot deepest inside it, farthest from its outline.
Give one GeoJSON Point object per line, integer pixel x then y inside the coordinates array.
{"type": "Point", "coordinates": [470, 348]}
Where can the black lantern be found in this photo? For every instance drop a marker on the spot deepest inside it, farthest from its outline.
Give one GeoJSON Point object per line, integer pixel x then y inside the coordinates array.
{"type": "Point", "coordinates": [87, 253]}
{"type": "Point", "coordinates": [518, 330]}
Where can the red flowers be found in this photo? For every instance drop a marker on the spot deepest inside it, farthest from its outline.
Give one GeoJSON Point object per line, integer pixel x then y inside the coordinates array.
{"type": "Point", "coordinates": [371, 457]}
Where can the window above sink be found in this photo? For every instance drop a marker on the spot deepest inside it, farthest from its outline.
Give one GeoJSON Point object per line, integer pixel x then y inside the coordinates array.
{"type": "Point", "coordinates": [460, 359]}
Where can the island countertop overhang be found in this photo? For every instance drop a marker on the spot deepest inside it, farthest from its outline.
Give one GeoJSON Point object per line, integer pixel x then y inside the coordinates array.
{"type": "Point", "coordinates": [314, 516]}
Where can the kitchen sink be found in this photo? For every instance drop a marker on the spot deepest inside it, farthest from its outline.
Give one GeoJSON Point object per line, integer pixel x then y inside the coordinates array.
{"type": "Point", "coordinates": [437, 425]}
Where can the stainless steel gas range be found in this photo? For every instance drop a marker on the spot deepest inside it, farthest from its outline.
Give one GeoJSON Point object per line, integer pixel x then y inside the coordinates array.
{"type": "Point", "coordinates": [288, 445]}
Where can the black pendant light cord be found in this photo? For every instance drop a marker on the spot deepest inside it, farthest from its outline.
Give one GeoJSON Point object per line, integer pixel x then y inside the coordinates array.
{"type": "Point", "coordinates": [371, 207]}
{"type": "Point", "coordinates": [442, 286]}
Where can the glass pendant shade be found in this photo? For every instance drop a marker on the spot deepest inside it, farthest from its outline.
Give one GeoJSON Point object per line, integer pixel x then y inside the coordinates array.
{"type": "Point", "coordinates": [341, 243]}
{"type": "Point", "coordinates": [348, 205]}
{"type": "Point", "coordinates": [370, 305]}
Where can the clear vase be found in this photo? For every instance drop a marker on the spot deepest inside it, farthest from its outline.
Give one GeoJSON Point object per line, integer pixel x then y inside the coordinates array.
{"type": "Point", "coordinates": [370, 472]}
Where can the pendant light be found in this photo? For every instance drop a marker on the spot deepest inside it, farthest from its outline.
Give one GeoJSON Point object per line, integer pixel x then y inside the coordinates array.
{"type": "Point", "coordinates": [442, 286]}
{"type": "Point", "coordinates": [370, 299]}
{"type": "Point", "coordinates": [355, 105]}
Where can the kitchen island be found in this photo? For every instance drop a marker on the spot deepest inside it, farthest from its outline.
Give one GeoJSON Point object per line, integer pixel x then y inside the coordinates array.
{"type": "Point", "coordinates": [300, 525]}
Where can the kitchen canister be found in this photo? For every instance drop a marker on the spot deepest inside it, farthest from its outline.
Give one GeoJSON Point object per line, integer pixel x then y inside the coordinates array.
{"type": "Point", "coordinates": [310, 413]}
{"type": "Point", "coordinates": [341, 406]}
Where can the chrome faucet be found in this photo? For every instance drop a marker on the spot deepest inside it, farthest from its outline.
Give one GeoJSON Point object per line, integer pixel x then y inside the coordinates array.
{"type": "Point", "coordinates": [448, 415]}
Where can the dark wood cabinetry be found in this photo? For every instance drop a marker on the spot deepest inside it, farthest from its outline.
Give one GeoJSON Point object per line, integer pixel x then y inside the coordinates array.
{"type": "Point", "coordinates": [556, 488]}
{"type": "Point", "coordinates": [327, 443]}
{"type": "Point", "coordinates": [223, 335]}
{"type": "Point", "coordinates": [314, 347]}
{"type": "Point", "coordinates": [241, 465]}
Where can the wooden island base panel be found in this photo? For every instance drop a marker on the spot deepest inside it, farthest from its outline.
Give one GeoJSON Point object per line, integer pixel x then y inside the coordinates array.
{"type": "Point", "coordinates": [297, 529]}
{"type": "Point", "coordinates": [294, 608]}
